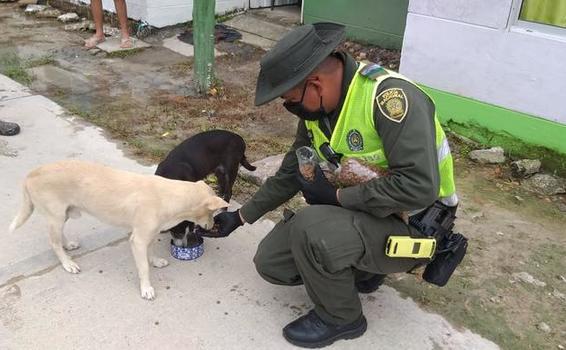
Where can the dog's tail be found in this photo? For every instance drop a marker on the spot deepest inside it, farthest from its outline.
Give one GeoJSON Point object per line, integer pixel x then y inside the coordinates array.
{"type": "Point", "coordinates": [247, 165]}
{"type": "Point", "coordinates": [25, 211]}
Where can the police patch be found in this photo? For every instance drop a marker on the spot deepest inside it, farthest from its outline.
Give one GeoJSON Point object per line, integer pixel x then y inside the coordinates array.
{"type": "Point", "coordinates": [393, 104]}
{"type": "Point", "coordinates": [355, 140]}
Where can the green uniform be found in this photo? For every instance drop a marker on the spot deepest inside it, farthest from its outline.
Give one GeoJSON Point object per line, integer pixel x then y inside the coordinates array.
{"type": "Point", "coordinates": [326, 247]}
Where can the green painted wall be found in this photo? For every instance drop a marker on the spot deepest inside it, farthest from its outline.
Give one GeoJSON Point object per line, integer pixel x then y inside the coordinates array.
{"type": "Point", "coordinates": [520, 134]}
{"type": "Point", "coordinates": [379, 22]}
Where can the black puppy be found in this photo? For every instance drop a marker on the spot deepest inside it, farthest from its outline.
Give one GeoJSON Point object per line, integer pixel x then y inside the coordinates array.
{"type": "Point", "coordinates": [216, 151]}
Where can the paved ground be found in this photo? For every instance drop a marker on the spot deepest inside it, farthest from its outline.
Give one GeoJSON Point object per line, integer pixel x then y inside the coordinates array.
{"type": "Point", "coordinates": [216, 302]}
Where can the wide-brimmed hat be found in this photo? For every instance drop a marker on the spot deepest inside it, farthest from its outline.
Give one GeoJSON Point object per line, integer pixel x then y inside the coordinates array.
{"type": "Point", "coordinates": [294, 57]}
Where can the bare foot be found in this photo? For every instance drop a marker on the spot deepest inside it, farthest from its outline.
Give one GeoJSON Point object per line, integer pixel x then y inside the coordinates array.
{"type": "Point", "coordinates": [93, 41]}
{"type": "Point", "coordinates": [126, 43]}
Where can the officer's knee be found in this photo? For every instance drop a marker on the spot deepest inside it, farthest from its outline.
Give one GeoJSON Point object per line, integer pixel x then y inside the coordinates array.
{"type": "Point", "coordinates": [305, 228]}
{"type": "Point", "coordinates": [261, 263]}
{"type": "Point", "coordinates": [271, 271]}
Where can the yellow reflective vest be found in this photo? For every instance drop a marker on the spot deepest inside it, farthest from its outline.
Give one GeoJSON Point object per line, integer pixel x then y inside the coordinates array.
{"type": "Point", "coordinates": [356, 124]}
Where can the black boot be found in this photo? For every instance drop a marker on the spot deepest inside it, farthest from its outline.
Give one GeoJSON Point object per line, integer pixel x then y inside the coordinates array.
{"type": "Point", "coordinates": [310, 331]}
{"type": "Point", "coordinates": [370, 285]}
{"type": "Point", "coordinates": [8, 129]}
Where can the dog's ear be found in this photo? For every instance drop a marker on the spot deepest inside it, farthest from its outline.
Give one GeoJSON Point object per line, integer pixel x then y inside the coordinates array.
{"type": "Point", "coordinates": [215, 203]}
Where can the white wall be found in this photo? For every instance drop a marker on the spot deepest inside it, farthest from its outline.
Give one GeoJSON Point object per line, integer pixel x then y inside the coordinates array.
{"type": "Point", "coordinates": [267, 3]}
{"type": "Point", "coordinates": [472, 48]}
{"type": "Point", "coordinates": [161, 13]}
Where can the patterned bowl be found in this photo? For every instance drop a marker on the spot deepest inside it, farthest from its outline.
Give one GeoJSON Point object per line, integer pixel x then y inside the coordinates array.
{"type": "Point", "coordinates": [188, 253]}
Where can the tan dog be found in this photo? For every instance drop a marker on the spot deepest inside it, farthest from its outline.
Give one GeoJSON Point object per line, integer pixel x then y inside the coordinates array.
{"type": "Point", "coordinates": [146, 204]}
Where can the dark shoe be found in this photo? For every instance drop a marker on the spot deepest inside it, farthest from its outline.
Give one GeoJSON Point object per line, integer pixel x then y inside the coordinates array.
{"type": "Point", "coordinates": [8, 129]}
{"type": "Point", "coordinates": [310, 331]}
{"type": "Point", "coordinates": [371, 285]}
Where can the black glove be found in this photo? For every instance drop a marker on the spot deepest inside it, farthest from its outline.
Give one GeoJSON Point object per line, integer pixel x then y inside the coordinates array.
{"type": "Point", "coordinates": [225, 222]}
{"type": "Point", "coordinates": [318, 191]}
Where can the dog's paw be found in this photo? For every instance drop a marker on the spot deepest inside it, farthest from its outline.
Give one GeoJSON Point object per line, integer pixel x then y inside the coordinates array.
{"type": "Point", "coordinates": [72, 245]}
{"type": "Point", "coordinates": [71, 266]}
{"type": "Point", "coordinates": [148, 293]}
{"type": "Point", "coordinates": [159, 262]}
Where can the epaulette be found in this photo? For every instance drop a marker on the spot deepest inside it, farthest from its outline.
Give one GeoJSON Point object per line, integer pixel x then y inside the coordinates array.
{"type": "Point", "coordinates": [373, 71]}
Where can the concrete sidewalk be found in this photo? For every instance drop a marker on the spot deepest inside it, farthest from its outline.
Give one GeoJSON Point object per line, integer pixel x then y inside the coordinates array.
{"type": "Point", "coordinates": [216, 302]}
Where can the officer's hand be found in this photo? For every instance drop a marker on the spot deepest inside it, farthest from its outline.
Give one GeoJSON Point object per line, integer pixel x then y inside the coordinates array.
{"type": "Point", "coordinates": [227, 222]}
{"type": "Point", "coordinates": [318, 191]}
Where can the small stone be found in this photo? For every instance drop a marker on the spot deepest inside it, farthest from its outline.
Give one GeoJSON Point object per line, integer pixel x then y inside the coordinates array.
{"type": "Point", "coordinates": [499, 233]}
{"type": "Point", "coordinates": [33, 8]}
{"type": "Point", "coordinates": [494, 300]}
{"type": "Point", "coordinates": [477, 217]}
{"type": "Point", "coordinates": [265, 168]}
{"type": "Point", "coordinates": [544, 327]}
{"type": "Point", "coordinates": [562, 278]}
{"type": "Point", "coordinates": [561, 206]}
{"type": "Point", "coordinates": [558, 295]}
{"type": "Point", "coordinates": [545, 184]}
{"type": "Point", "coordinates": [68, 17]}
{"type": "Point", "coordinates": [560, 347]}
{"type": "Point", "coordinates": [528, 278]}
{"type": "Point", "coordinates": [94, 51]}
{"type": "Point", "coordinates": [81, 26]}
{"type": "Point", "coordinates": [525, 167]}
{"type": "Point", "coordinates": [48, 13]}
{"type": "Point", "coordinates": [494, 155]}
{"type": "Point", "coordinates": [519, 199]}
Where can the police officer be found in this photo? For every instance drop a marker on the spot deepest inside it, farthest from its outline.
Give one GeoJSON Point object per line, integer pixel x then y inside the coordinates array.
{"type": "Point", "coordinates": [336, 246]}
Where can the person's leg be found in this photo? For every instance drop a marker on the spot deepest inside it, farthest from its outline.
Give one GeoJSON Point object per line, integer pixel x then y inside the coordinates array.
{"type": "Point", "coordinates": [273, 259]}
{"type": "Point", "coordinates": [326, 247]}
{"type": "Point", "coordinates": [98, 18]}
{"type": "Point", "coordinates": [122, 13]}
{"type": "Point", "coordinates": [329, 244]}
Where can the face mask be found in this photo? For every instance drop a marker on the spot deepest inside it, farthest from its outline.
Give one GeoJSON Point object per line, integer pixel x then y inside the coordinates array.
{"type": "Point", "coordinates": [299, 110]}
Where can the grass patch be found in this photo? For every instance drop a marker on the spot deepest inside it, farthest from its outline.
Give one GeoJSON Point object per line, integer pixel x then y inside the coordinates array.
{"type": "Point", "coordinates": [183, 68]}
{"type": "Point", "coordinates": [123, 53]}
{"type": "Point", "coordinates": [514, 148]}
{"type": "Point", "coordinates": [40, 61]}
{"type": "Point", "coordinates": [228, 15]}
{"type": "Point", "coordinates": [495, 306]}
{"type": "Point", "coordinates": [16, 68]}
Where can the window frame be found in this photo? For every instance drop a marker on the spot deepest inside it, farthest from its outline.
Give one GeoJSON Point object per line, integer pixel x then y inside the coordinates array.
{"type": "Point", "coordinates": [537, 29]}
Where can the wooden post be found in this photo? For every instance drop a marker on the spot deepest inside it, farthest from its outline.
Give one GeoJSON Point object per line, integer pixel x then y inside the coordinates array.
{"type": "Point", "coordinates": [203, 39]}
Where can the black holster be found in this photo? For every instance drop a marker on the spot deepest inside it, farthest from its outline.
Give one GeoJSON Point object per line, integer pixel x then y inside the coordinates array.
{"type": "Point", "coordinates": [438, 221]}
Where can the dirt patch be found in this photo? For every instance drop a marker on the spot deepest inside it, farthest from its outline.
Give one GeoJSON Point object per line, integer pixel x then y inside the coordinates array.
{"type": "Point", "coordinates": [510, 231]}
{"type": "Point", "coordinates": [387, 58]}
